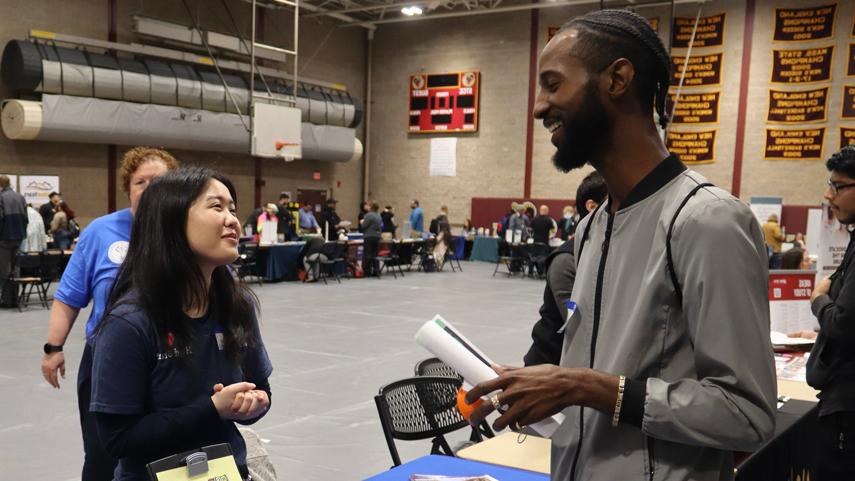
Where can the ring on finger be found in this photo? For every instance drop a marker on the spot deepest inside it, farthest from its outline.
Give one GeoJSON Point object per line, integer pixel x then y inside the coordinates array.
{"type": "Point", "coordinates": [494, 400]}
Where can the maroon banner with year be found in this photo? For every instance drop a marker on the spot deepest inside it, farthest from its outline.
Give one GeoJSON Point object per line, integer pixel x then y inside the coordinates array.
{"type": "Point", "coordinates": [702, 70]}
{"type": "Point", "coordinates": [847, 136]}
{"type": "Point", "coordinates": [710, 32]}
{"type": "Point", "coordinates": [692, 147]}
{"type": "Point", "coordinates": [804, 24]}
{"type": "Point", "coordinates": [797, 106]}
{"type": "Point", "coordinates": [802, 66]}
{"type": "Point", "coordinates": [695, 108]}
{"type": "Point", "coordinates": [794, 144]}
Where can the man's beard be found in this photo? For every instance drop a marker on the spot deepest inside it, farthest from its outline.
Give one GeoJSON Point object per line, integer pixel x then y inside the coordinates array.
{"type": "Point", "coordinates": [584, 133]}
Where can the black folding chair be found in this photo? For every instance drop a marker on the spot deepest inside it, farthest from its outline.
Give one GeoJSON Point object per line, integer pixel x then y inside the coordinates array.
{"type": "Point", "coordinates": [508, 257]}
{"type": "Point", "coordinates": [27, 276]}
{"type": "Point", "coordinates": [536, 255]}
{"type": "Point", "coordinates": [245, 264]}
{"type": "Point", "coordinates": [390, 260]}
{"type": "Point", "coordinates": [420, 408]}
{"type": "Point", "coordinates": [326, 261]}
{"type": "Point", "coordinates": [433, 366]}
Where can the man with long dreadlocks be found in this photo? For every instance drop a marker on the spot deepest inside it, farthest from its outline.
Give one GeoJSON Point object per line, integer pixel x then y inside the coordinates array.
{"type": "Point", "coordinates": [667, 365]}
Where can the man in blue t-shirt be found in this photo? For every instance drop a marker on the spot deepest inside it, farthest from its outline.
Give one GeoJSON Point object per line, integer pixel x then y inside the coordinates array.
{"type": "Point", "coordinates": [417, 218]}
{"type": "Point", "coordinates": [308, 223]}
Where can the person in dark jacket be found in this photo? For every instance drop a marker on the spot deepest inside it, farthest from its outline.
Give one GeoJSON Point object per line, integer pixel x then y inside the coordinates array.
{"type": "Point", "coordinates": [831, 368]}
{"type": "Point", "coordinates": [330, 220]}
{"type": "Point", "coordinates": [13, 226]}
{"type": "Point", "coordinates": [560, 275]}
{"type": "Point", "coordinates": [371, 229]}
{"type": "Point", "coordinates": [389, 223]}
{"type": "Point", "coordinates": [48, 209]}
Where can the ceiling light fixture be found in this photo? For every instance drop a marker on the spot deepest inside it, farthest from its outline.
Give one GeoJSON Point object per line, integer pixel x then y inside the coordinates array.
{"type": "Point", "coordinates": [410, 11]}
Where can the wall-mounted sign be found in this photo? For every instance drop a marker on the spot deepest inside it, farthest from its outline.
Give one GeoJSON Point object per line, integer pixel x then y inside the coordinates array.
{"type": "Point", "coordinates": [695, 108]}
{"type": "Point", "coordinates": [804, 24]}
{"type": "Point", "coordinates": [710, 31]}
{"type": "Point", "coordinates": [37, 188]}
{"type": "Point", "coordinates": [445, 102]}
{"type": "Point", "coordinates": [850, 63]}
{"type": "Point", "coordinates": [848, 102]}
{"type": "Point", "coordinates": [802, 66]}
{"type": "Point", "coordinates": [797, 106]}
{"type": "Point", "coordinates": [847, 136]}
{"type": "Point", "coordinates": [702, 70]}
{"type": "Point", "coordinates": [692, 147]}
{"type": "Point", "coordinates": [796, 144]}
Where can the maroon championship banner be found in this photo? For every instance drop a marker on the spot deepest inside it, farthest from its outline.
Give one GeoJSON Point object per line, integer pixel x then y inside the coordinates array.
{"type": "Point", "coordinates": [802, 66]}
{"type": "Point", "coordinates": [848, 109]}
{"type": "Point", "coordinates": [850, 62]}
{"type": "Point", "coordinates": [444, 102]}
{"type": "Point", "coordinates": [804, 24]}
{"type": "Point", "coordinates": [794, 144]}
{"type": "Point", "coordinates": [847, 136]}
{"type": "Point", "coordinates": [692, 147]}
{"type": "Point", "coordinates": [695, 108]}
{"type": "Point", "coordinates": [710, 32]}
{"type": "Point", "coordinates": [797, 106]}
{"type": "Point", "coordinates": [702, 70]}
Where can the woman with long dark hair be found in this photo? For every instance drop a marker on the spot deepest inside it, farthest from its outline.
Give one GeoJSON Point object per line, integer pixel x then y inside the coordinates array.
{"type": "Point", "coordinates": [179, 357]}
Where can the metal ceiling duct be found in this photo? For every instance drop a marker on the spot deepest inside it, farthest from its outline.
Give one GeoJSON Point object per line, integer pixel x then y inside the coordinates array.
{"type": "Point", "coordinates": [45, 68]}
{"type": "Point", "coordinates": [66, 118]}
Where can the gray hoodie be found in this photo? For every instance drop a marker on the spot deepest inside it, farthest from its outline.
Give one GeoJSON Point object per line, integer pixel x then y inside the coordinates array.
{"type": "Point", "coordinates": [700, 376]}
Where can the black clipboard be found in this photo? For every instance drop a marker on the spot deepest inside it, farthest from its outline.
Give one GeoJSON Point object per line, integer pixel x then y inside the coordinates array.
{"type": "Point", "coordinates": [195, 465]}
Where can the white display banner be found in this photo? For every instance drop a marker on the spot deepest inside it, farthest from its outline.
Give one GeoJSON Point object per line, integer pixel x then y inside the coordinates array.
{"type": "Point", "coordinates": [833, 240]}
{"type": "Point", "coordinates": [763, 207]}
{"type": "Point", "coordinates": [37, 188]}
{"type": "Point", "coordinates": [443, 156]}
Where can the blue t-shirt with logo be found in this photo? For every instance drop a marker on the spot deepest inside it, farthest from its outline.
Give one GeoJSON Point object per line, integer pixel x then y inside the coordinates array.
{"type": "Point", "coordinates": [168, 390]}
{"type": "Point", "coordinates": [94, 265]}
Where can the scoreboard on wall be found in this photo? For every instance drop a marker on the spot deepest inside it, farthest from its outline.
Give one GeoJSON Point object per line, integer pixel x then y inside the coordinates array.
{"type": "Point", "coordinates": [446, 102]}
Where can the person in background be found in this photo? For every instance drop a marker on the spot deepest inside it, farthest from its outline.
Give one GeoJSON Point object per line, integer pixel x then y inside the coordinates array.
{"type": "Point", "coordinates": [270, 214]}
{"type": "Point", "coordinates": [371, 229]}
{"type": "Point", "coordinates": [774, 239]}
{"type": "Point", "coordinates": [560, 277]}
{"type": "Point", "coordinates": [795, 258]}
{"type": "Point", "coordinates": [36, 240]}
{"type": "Point", "coordinates": [567, 223]}
{"type": "Point", "coordinates": [543, 226]}
{"type": "Point", "coordinates": [417, 219]}
{"type": "Point", "coordinates": [528, 216]}
{"type": "Point", "coordinates": [178, 363]}
{"type": "Point", "coordinates": [517, 220]}
{"type": "Point", "coordinates": [439, 219]}
{"type": "Point", "coordinates": [285, 225]}
{"type": "Point", "coordinates": [308, 223]}
{"type": "Point", "coordinates": [13, 227]}
{"type": "Point", "coordinates": [48, 209]}
{"type": "Point", "coordinates": [364, 208]}
{"type": "Point", "coordinates": [389, 223]}
{"type": "Point", "coordinates": [59, 230]}
{"type": "Point", "coordinates": [89, 277]}
{"type": "Point", "coordinates": [330, 221]}
{"type": "Point", "coordinates": [653, 384]}
{"type": "Point", "coordinates": [799, 241]}
{"type": "Point", "coordinates": [467, 226]}
{"type": "Point", "coordinates": [831, 366]}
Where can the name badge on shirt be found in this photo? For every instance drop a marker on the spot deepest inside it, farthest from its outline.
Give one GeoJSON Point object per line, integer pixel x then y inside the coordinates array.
{"type": "Point", "coordinates": [571, 309]}
{"type": "Point", "coordinates": [218, 335]}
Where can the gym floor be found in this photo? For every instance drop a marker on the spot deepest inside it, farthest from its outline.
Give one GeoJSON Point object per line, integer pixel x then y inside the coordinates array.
{"type": "Point", "coordinates": [332, 347]}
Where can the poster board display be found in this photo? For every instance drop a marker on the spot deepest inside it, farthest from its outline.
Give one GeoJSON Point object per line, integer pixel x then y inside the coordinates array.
{"type": "Point", "coordinates": [695, 108]}
{"type": "Point", "coordinates": [789, 301]}
{"type": "Point", "coordinates": [446, 102]}
{"type": "Point", "coordinates": [701, 71]}
{"type": "Point", "coordinates": [802, 66]}
{"type": "Point", "coordinates": [798, 107]}
{"type": "Point", "coordinates": [693, 147]}
{"type": "Point", "coordinates": [804, 24]}
{"type": "Point", "coordinates": [794, 144]}
{"type": "Point", "coordinates": [37, 188]}
{"type": "Point", "coordinates": [710, 31]}
{"type": "Point", "coordinates": [764, 206]}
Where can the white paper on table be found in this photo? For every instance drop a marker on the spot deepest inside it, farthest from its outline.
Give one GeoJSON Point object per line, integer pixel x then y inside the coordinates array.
{"type": "Point", "coordinates": [447, 343]}
{"type": "Point", "coordinates": [781, 339]}
{"type": "Point", "coordinates": [443, 156]}
{"type": "Point", "coordinates": [792, 316]}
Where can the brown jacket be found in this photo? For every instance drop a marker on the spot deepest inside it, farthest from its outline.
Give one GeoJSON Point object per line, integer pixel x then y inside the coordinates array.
{"type": "Point", "coordinates": [774, 236]}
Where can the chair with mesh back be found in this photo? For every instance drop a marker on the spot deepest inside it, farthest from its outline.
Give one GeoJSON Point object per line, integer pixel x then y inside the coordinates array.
{"type": "Point", "coordinates": [433, 366]}
{"type": "Point", "coordinates": [245, 264]}
{"type": "Point", "coordinates": [420, 408]}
